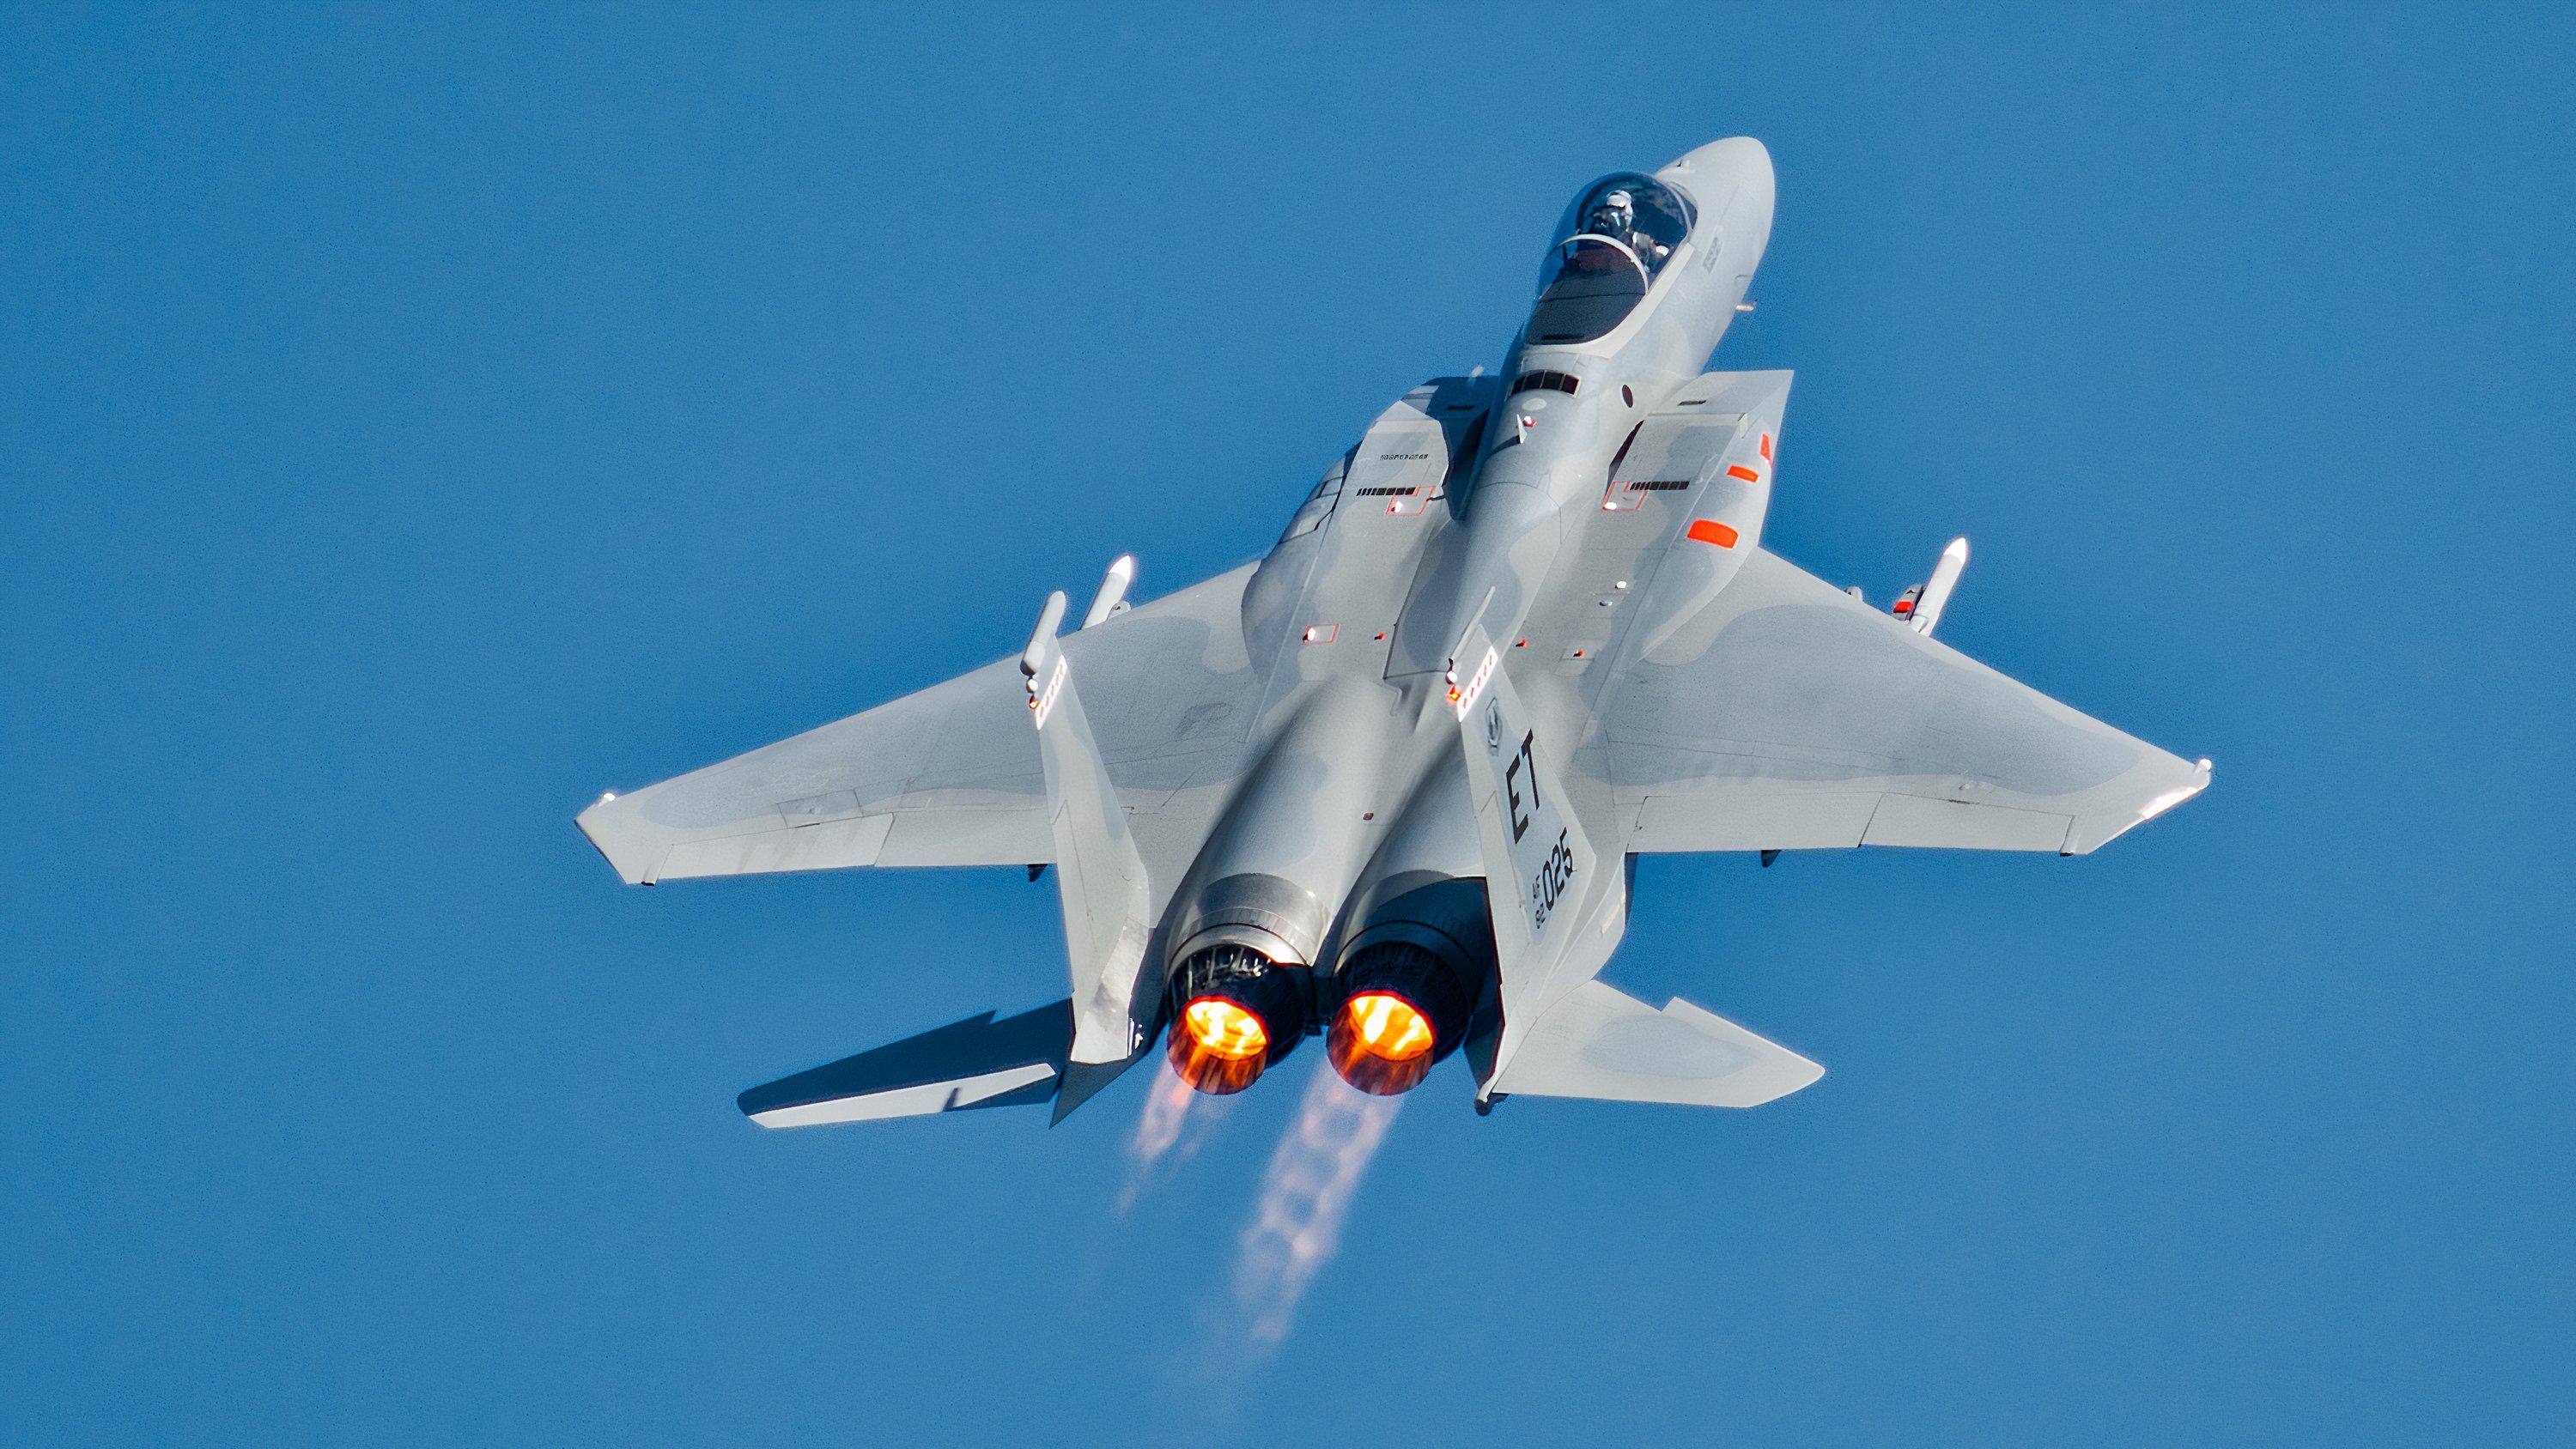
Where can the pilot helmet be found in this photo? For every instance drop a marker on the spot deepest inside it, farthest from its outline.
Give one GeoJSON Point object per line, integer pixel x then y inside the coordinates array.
{"type": "Point", "coordinates": [1614, 214]}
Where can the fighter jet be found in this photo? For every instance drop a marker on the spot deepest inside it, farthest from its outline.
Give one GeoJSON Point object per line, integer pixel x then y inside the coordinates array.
{"type": "Point", "coordinates": [1388, 784]}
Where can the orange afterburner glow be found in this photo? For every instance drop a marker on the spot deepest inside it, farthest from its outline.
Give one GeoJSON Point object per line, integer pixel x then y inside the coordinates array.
{"type": "Point", "coordinates": [1381, 1043]}
{"type": "Point", "coordinates": [1220, 1046]}
{"type": "Point", "coordinates": [1225, 1029]}
{"type": "Point", "coordinates": [1388, 1025]}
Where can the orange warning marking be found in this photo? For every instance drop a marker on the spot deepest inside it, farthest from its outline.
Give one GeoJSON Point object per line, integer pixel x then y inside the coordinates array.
{"type": "Point", "coordinates": [1738, 470]}
{"type": "Point", "coordinates": [1709, 530]}
{"type": "Point", "coordinates": [1766, 447]}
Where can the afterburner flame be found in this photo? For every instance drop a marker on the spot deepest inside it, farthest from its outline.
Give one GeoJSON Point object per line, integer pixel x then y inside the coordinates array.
{"type": "Point", "coordinates": [1389, 1026]}
{"type": "Point", "coordinates": [1225, 1029]}
{"type": "Point", "coordinates": [1381, 1043]}
{"type": "Point", "coordinates": [1220, 1046]}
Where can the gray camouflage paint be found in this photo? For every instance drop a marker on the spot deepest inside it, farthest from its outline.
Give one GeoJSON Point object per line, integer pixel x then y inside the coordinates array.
{"type": "Point", "coordinates": [1279, 736]}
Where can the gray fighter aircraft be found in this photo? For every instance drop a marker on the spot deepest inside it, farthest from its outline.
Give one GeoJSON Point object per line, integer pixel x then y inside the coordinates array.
{"type": "Point", "coordinates": [1387, 785]}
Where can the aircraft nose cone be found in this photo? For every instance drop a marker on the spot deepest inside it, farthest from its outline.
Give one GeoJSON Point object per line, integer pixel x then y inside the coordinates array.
{"type": "Point", "coordinates": [1736, 164]}
{"type": "Point", "coordinates": [1732, 179]}
{"type": "Point", "coordinates": [1740, 158]}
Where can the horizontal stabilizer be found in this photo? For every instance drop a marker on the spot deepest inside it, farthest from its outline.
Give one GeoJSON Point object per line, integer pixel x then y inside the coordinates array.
{"type": "Point", "coordinates": [978, 1062]}
{"type": "Point", "coordinates": [1599, 1042]}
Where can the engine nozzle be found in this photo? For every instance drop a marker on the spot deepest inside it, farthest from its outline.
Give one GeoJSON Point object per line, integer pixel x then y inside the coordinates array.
{"type": "Point", "coordinates": [1236, 1012]}
{"type": "Point", "coordinates": [1404, 1010]}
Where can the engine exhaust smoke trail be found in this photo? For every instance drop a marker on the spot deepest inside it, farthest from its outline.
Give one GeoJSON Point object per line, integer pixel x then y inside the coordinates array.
{"type": "Point", "coordinates": [1306, 1194]}
{"type": "Point", "coordinates": [1161, 1127]}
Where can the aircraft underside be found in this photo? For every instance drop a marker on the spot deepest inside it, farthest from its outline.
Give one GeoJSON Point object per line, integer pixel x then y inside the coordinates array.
{"type": "Point", "coordinates": [1385, 787]}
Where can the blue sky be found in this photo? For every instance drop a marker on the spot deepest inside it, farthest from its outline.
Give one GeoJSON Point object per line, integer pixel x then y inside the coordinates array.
{"type": "Point", "coordinates": [412, 423]}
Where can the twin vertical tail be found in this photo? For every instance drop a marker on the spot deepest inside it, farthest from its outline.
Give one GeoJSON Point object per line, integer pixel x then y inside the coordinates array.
{"type": "Point", "coordinates": [1557, 906]}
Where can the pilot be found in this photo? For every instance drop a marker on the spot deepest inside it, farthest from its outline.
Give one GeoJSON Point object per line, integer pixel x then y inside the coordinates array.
{"type": "Point", "coordinates": [1613, 216]}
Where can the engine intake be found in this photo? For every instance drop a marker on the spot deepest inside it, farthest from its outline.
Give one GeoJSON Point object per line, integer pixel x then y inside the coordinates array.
{"type": "Point", "coordinates": [1235, 1011]}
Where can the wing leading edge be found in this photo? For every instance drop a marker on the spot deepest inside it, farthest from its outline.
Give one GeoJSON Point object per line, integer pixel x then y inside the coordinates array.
{"type": "Point", "coordinates": [951, 775]}
{"type": "Point", "coordinates": [1790, 715]}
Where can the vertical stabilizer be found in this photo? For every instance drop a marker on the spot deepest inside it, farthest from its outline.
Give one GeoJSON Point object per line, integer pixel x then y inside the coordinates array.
{"type": "Point", "coordinates": [1099, 876]}
{"type": "Point", "coordinates": [1559, 907]}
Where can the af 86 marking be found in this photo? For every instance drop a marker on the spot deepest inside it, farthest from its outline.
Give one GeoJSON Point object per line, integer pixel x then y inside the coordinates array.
{"type": "Point", "coordinates": [1548, 886]}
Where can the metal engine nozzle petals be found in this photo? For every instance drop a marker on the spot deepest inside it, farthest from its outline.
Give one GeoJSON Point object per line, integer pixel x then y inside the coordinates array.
{"type": "Point", "coordinates": [1404, 1009]}
{"type": "Point", "coordinates": [1234, 1012]}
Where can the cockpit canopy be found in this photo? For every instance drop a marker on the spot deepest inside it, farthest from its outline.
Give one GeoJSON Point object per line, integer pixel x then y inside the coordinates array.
{"type": "Point", "coordinates": [1612, 244]}
{"type": "Point", "coordinates": [1640, 213]}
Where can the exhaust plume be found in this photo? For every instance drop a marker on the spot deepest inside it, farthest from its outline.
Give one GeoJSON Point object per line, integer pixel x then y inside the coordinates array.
{"type": "Point", "coordinates": [1165, 1123]}
{"type": "Point", "coordinates": [1306, 1193]}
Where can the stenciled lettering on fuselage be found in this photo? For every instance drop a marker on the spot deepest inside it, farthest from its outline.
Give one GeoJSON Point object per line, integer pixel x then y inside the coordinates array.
{"type": "Point", "coordinates": [1548, 886]}
{"type": "Point", "coordinates": [1542, 848]}
{"type": "Point", "coordinates": [1521, 774]}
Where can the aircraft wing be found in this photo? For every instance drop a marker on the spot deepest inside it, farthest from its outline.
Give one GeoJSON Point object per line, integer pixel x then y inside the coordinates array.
{"type": "Point", "coordinates": [951, 775]}
{"type": "Point", "coordinates": [1787, 714]}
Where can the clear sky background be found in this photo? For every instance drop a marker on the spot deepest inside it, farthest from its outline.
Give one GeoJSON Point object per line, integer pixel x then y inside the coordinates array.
{"type": "Point", "coordinates": [413, 423]}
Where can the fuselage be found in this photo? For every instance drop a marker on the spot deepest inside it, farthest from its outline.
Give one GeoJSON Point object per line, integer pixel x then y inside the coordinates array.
{"type": "Point", "coordinates": [1350, 842]}
{"type": "Point", "coordinates": [1549, 448]}
{"type": "Point", "coordinates": [1388, 785]}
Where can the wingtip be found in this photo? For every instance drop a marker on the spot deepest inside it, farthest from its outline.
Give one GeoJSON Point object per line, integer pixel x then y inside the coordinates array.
{"type": "Point", "coordinates": [2189, 787]}
{"type": "Point", "coordinates": [629, 853]}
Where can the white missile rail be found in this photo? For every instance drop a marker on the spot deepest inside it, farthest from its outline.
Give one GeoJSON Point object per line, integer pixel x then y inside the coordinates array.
{"type": "Point", "coordinates": [1922, 604]}
{"type": "Point", "coordinates": [1111, 601]}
